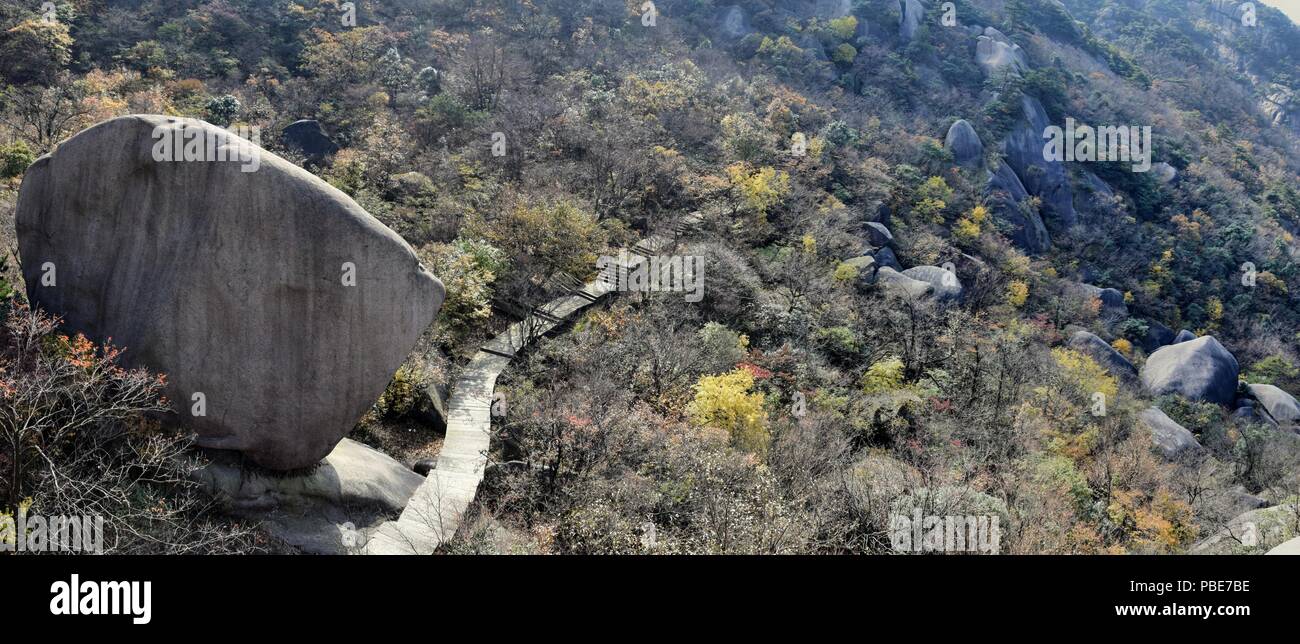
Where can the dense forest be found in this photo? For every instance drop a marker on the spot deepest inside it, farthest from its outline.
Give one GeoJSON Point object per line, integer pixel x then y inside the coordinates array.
{"type": "Point", "coordinates": [903, 304]}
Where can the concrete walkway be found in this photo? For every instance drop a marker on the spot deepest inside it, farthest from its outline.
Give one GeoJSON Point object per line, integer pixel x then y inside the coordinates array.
{"type": "Point", "coordinates": [435, 510]}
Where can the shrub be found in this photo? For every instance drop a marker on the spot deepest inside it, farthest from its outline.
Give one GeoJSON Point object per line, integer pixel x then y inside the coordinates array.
{"type": "Point", "coordinates": [726, 402]}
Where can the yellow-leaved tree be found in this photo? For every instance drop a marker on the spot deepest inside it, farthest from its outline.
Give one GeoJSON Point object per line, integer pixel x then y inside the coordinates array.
{"type": "Point", "coordinates": [726, 402]}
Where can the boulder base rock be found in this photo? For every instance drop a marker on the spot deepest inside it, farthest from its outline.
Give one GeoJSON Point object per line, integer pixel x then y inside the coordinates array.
{"type": "Point", "coordinates": [267, 295]}
{"type": "Point", "coordinates": [1172, 440]}
{"type": "Point", "coordinates": [1199, 369]}
{"type": "Point", "coordinates": [324, 511]}
{"type": "Point", "coordinates": [1280, 405]}
{"type": "Point", "coordinates": [947, 288]}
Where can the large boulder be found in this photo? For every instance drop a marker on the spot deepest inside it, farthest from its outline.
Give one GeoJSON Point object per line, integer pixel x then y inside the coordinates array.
{"type": "Point", "coordinates": [1172, 440]}
{"type": "Point", "coordinates": [999, 57]}
{"type": "Point", "coordinates": [1004, 196]}
{"type": "Point", "coordinates": [1253, 532]}
{"type": "Point", "coordinates": [1043, 178]}
{"type": "Point", "coordinates": [1105, 355]}
{"type": "Point", "coordinates": [307, 137]}
{"type": "Point", "coordinates": [1199, 369]}
{"type": "Point", "coordinates": [1280, 405]}
{"type": "Point", "coordinates": [947, 288]}
{"type": "Point", "coordinates": [886, 257]}
{"type": "Point", "coordinates": [277, 308]}
{"type": "Point", "coordinates": [909, 18]}
{"type": "Point", "coordinates": [963, 142]}
{"type": "Point", "coordinates": [878, 234]}
{"type": "Point", "coordinates": [901, 284]}
{"type": "Point", "coordinates": [1184, 336]}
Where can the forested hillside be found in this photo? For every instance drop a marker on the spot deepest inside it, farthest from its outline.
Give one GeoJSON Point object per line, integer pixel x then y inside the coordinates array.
{"type": "Point", "coordinates": [905, 304]}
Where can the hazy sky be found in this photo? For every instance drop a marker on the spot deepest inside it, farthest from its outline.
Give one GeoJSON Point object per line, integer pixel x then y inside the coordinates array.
{"type": "Point", "coordinates": [1289, 7]}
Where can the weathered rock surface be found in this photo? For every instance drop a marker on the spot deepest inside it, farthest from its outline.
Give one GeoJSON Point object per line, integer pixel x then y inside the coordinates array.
{"type": "Point", "coordinates": [963, 143]}
{"type": "Point", "coordinates": [323, 511]}
{"type": "Point", "coordinates": [1279, 405]}
{"type": "Point", "coordinates": [998, 56]}
{"type": "Point", "coordinates": [1164, 172]}
{"type": "Point", "coordinates": [886, 257]}
{"type": "Point", "coordinates": [1252, 532]}
{"type": "Point", "coordinates": [1172, 440]}
{"type": "Point", "coordinates": [733, 23]}
{"type": "Point", "coordinates": [233, 283]}
{"type": "Point", "coordinates": [1003, 195]}
{"type": "Point", "coordinates": [947, 288]}
{"type": "Point", "coordinates": [909, 18]}
{"type": "Point", "coordinates": [1291, 547]}
{"type": "Point", "coordinates": [1105, 355]}
{"type": "Point", "coordinates": [1184, 336]}
{"type": "Point", "coordinates": [878, 234]}
{"type": "Point", "coordinates": [1042, 178]}
{"type": "Point", "coordinates": [902, 284]}
{"type": "Point", "coordinates": [1199, 369]}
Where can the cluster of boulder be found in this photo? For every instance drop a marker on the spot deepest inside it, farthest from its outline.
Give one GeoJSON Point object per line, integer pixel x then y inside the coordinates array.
{"type": "Point", "coordinates": [878, 265]}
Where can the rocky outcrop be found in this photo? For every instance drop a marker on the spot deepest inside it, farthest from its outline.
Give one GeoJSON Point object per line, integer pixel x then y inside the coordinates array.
{"type": "Point", "coordinates": [324, 511]}
{"type": "Point", "coordinates": [886, 257]}
{"type": "Point", "coordinates": [277, 308]}
{"type": "Point", "coordinates": [1184, 336]}
{"type": "Point", "coordinates": [947, 288]}
{"type": "Point", "coordinates": [1200, 370]}
{"type": "Point", "coordinates": [1163, 172]}
{"type": "Point", "coordinates": [1172, 440]}
{"type": "Point", "coordinates": [1042, 178]}
{"type": "Point", "coordinates": [1281, 406]}
{"type": "Point", "coordinates": [903, 285]}
{"type": "Point", "coordinates": [1105, 355]}
{"type": "Point", "coordinates": [997, 55]}
{"type": "Point", "coordinates": [963, 143]}
{"type": "Point", "coordinates": [909, 18]}
{"type": "Point", "coordinates": [1253, 532]}
{"type": "Point", "coordinates": [1004, 196]}
{"type": "Point", "coordinates": [1278, 104]}
{"type": "Point", "coordinates": [878, 234]}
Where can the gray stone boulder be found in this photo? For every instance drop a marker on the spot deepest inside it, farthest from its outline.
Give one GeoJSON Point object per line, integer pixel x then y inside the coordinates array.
{"type": "Point", "coordinates": [901, 284]}
{"type": "Point", "coordinates": [1290, 547]}
{"type": "Point", "coordinates": [866, 268]}
{"type": "Point", "coordinates": [878, 234]}
{"type": "Point", "coordinates": [1280, 405]}
{"type": "Point", "coordinates": [886, 257]}
{"type": "Point", "coordinates": [999, 57]}
{"type": "Point", "coordinates": [1112, 301]}
{"type": "Point", "coordinates": [1105, 355]}
{"type": "Point", "coordinates": [277, 308]}
{"type": "Point", "coordinates": [1253, 532]}
{"type": "Point", "coordinates": [947, 288]}
{"type": "Point", "coordinates": [1172, 440]}
{"type": "Point", "coordinates": [1199, 369]}
{"type": "Point", "coordinates": [910, 14]}
{"type": "Point", "coordinates": [1248, 413]}
{"type": "Point", "coordinates": [1164, 172]}
{"type": "Point", "coordinates": [325, 510]}
{"type": "Point", "coordinates": [963, 143]}
{"type": "Point", "coordinates": [1157, 335]}
{"type": "Point", "coordinates": [308, 138]}
{"type": "Point", "coordinates": [1004, 195]}
{"type": "Point", "coordinates": [1184, 336]}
